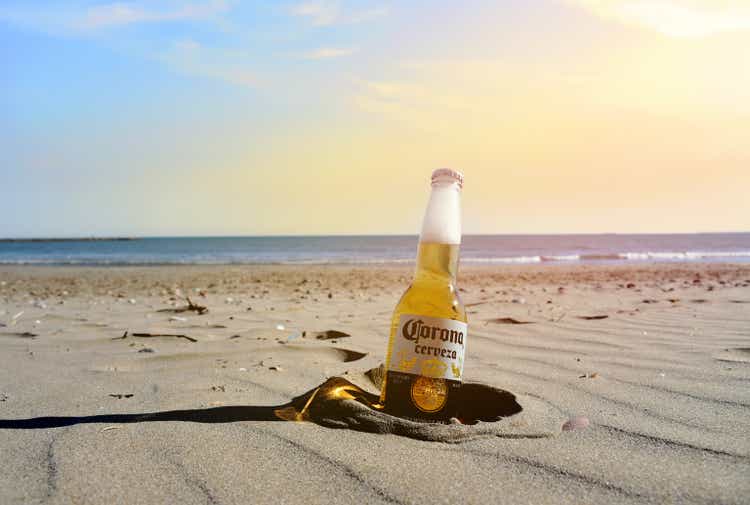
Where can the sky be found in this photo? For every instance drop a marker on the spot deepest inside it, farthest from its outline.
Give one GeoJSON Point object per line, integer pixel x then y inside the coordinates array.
{"type": "Point", "coordinates": [211, 117]}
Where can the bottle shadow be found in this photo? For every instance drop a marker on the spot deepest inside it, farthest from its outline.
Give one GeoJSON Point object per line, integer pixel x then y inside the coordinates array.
{"type": "Point", "coordinates": [210, 415]}
{"type": "Point", "coordinates": [337, 403]}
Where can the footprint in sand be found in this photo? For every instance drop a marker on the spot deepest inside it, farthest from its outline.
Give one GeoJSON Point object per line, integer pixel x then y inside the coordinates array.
{"type": "Point", "coordinates": [735, 355]}
{"type": "Point", "coordinates": [318, 353]}
{"type": "Point", "coordinates": [287, 356]}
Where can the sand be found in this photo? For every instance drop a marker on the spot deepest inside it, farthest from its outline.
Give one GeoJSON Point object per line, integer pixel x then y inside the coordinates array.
{"type": "Point", "coordinates": [658, 391]}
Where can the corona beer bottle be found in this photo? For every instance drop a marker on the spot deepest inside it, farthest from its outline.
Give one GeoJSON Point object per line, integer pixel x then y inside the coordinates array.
{"type": "Point", "coordinates": [427, 343]}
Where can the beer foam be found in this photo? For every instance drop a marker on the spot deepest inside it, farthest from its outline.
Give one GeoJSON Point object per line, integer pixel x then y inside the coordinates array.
{"type": "Point", "coordinates": [442, 220]}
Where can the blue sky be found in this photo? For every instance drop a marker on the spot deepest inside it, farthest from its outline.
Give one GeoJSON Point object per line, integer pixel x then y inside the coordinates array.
{"type": "Point", "coordinates": [221, 117]}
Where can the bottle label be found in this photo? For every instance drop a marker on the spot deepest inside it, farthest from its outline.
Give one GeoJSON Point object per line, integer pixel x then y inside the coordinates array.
{"type": "Point", "coordinates": [429, 346]}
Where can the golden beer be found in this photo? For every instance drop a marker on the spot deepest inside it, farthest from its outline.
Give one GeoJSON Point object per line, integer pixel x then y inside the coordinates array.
{"type": "Point", "coordinates": [426, 349]}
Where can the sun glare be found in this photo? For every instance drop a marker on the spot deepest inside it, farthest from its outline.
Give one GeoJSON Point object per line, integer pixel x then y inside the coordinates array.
{"type": "Point", "coordinates": [679, 19]}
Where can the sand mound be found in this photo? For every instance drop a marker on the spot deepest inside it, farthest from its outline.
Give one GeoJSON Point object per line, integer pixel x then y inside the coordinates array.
{"type": "Point", "coordinates": [484, 411]}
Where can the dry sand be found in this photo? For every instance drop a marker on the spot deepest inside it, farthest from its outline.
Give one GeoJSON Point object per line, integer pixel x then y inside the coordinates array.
{"type": "Point", "coordinates": [663, 380]}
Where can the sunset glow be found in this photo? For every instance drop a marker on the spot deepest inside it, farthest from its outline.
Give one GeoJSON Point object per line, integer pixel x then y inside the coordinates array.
{"type": "Point", "coordinates": [327, 117]}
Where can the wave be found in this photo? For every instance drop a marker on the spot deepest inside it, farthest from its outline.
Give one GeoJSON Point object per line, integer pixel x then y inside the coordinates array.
{"type": "Point", "coordinates": [200, 261]}
{"type": "Point", "coordinates": [504, 259]}
{"type": "Point", "coordinates": [683, 256]}
{"type": "Point", "coordinates": [562, 257]}
{"type": "Point", "coordinates": [602, 257]}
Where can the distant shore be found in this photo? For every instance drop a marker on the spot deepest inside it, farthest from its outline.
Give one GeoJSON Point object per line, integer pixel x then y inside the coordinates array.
{"type": "Point", "coordinates": [69, 239]}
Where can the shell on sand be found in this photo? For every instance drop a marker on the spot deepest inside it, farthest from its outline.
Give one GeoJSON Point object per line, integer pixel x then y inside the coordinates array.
{"type": "Point", "coordinates": [576, 423]}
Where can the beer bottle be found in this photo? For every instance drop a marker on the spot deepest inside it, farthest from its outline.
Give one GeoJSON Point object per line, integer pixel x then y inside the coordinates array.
{"type": "Point", "coordinates": [427, 343]}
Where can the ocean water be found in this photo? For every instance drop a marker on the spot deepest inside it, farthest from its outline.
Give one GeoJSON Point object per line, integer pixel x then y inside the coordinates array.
{"type": "Point", "coordinates": [478, 249]}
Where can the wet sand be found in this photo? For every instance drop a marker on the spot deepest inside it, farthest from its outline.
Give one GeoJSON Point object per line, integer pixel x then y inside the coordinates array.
{"type": "Point", "coordinates": [649, 364]}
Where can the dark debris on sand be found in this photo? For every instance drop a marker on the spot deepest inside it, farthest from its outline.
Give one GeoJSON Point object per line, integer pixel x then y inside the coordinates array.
{"type": "Point", "coordinates": [331, 334]}
{"type": "Point", "coordinates": [507, 320]}
{"type": "Point", "coordinates": [155, 335]}
{"type": "Point", "coordinates": [190, 307]}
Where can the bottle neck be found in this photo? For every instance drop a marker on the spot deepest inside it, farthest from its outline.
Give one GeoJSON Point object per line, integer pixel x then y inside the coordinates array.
{"type": "Point", "coordinates": [436, 263]}
{"type": "Point", "coordinates": [437, 258]}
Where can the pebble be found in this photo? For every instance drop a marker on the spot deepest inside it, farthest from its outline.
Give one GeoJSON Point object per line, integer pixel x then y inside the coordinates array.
{"type": "Point", "coordinates": [243, 369]}
{"type": "Point", "coordinates": [40, 304]}
{"type": "Point", "coordinates": [280, 327]}
{"type": "Point", "coordinates": [576, 423]}
{"type": "Point", "coordinates": [178, 318]}
{"type": "Point", "coordinates": [131, 301]}
{"type": "Point", "coordinates": [518, 300]}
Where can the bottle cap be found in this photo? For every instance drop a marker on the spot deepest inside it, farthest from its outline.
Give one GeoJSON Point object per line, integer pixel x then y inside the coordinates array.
{"type": "Point", "coordinates": [447, 174]}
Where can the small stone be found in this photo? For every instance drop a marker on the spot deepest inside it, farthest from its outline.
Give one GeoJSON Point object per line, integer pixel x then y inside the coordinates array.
{"type": "Point", "coordinates": [147, 350]}
{"type": "Point", "coordinates": [576, 423]}
{"type": "Point", "coordinates": [178, 318]}
{"type": "Point", "coordinates": [242, 369]}
{"type": "Point", "coordinates": [280, 327]}
{"type": "Point", "coordinates": [131, 301]}
{"type": "Point", "coordinates": [276, 368]}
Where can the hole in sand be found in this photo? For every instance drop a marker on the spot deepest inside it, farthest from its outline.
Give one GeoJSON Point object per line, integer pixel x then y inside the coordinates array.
{"type": "Point", "coordinates": [483, 409]}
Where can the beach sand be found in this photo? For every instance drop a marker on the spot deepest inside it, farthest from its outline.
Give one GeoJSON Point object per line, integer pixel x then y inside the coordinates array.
{"type": "Point", "coordinates": [650, 364]}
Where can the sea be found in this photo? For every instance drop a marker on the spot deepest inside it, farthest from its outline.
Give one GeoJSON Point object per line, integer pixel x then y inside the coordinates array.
{"type": "Point", "coordinates": [475, 249]}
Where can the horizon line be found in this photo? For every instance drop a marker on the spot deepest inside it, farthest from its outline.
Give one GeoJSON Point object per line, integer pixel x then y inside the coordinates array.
{"type": "Point", "coordinates": [103, 238]}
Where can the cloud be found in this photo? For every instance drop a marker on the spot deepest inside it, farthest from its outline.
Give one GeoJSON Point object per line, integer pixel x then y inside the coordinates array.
{"type": "Point", "coordinates": [422, 103]}
{"type": "Point", "coordinates": [192, 58]}
{"type": "Point", "coordinates": [325, 53]}
{"type": "Point", "coordinates": [125, 13]}
{"type": "Point", "coordinates": [331, 12]}
{"type": "Point", "coordinates": [675, 18]}
{"type": "Point", "coordinates": [78, 19]}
